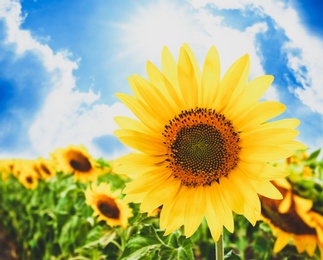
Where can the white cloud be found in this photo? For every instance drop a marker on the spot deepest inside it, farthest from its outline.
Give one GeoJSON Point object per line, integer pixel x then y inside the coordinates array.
{"type": "Point", "coordinates": [149, 28]}
{"type": "Point", "coordinates": [68, 115]}
{"type": "Point", "coordinates": [304, 50]}
{"type": "Point", "coordinates": [161, 23]}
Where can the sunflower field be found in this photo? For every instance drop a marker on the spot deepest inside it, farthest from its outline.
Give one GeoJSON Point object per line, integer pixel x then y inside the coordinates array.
{"type": "Point", "coordinates": [70, 206]}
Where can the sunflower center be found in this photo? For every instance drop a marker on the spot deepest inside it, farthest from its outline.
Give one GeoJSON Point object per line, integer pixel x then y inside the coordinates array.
{"type": "Point", "coordinates": [45, 169]}
{"type": "Point", "coordinates": [79, 162]}
{"type": "Point", "coordinates": [202, 146]}
{"type": "Point", "coordinates": [109, 208]}
{"type": "Point", "coordinates": [29, 179]}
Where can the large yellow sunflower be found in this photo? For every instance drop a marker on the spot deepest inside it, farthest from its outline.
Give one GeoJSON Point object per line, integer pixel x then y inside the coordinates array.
{"type": "Point", "coordinates": [203, 143]}
{"type": "Point", "coordinates": [76, 160]}
{"type": "Point", "coordinates": [107, 206]}
{"type": "Point", "coordinates": [292, 220]}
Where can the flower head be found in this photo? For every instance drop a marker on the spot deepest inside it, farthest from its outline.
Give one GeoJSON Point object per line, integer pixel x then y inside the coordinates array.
{"type": "Point", "coordinates": [6, 168]}
{"type": "Point", "coordinates": [76, 160]}
{"type": "Point", "coordinates": [107, 206]}
{"type": "Point", "coordinates": [26, 174]}
{"type": "Point", "coordinates": [44, 168]}
{"type": "Point", "coordinates": [202, 142]}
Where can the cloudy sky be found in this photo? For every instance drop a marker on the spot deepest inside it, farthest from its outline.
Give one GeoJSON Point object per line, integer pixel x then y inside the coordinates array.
{"type": "Point", "coordinates": [62, 61]}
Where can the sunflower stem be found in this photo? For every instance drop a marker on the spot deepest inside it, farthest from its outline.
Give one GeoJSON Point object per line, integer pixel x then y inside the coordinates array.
{"type": "Point", "coordinates": [219, 248]}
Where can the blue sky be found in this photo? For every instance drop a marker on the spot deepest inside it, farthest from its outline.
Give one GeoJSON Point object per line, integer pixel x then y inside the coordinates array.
{"type": "Point", "coordinates": [62, 61]}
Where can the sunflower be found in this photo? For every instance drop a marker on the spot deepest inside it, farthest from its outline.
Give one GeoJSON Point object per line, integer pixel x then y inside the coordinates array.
{"type": "Point", "coordinates": [6, 168]}
{"type": "Point", "coordinates": [107, 206]}
{"type": "Point", "coordinates": [44, 168]}
{"type": "Point", "coordinates": [287, 220]}
{"type": "Point", "coordinates": [76, 160]}
{"type": "Point", "coordinates": [202, 143]}
{"type": "Point", "coordinates": [26, 174]}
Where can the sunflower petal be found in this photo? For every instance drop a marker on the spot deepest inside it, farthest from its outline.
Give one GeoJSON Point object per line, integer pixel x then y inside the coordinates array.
{"type": "Point", "coordinates": [187, 79]}
{"type": "Point", "coordinates": [260, 113]}
{"type": "Point", "coordinates": [142, 112]}
{"type": "Point", "coordinates": [210, 77]}
{"type": "Point", "coordinates": [252, 93]}
{"type": "Point", "coordinates": [264, 153]}
{"type": "Point", "coordinates": [282, 240]}
{"type": "Point", "coordinates": [194, 210]}
{"type": "Point", "coordinates": [164, 85]}
{"type": "Point", "coordinates": [266, 189]}
{"type": "Point", "coordinates": [233, 82]}
{"type": "Point", "coordinates": [141, 142]}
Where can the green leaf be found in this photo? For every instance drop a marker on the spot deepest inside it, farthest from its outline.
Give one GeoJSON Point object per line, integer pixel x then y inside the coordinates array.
{"type": "Point", "coordinates": [143, 245]}
{"type": "Point", "coordinates": [314, 155]}
{"type": "Point", "coordinates": [232, 256]}
{"type": "Point", "coordinates": [183, 248]}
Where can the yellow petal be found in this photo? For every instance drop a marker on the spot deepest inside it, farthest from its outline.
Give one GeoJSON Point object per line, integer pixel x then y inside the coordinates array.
{"type": "Point", "coordinates": [252, 204]}
{"type": "Point", "coordinates": [187, 79]}
{"type": "Point", "coordinates": [294, 145]}
{"type": "Point", "coordinates": [193, 59]}
{"type": "Point", "coordinates": [266, 189]}
{"type": "Point", "coordinates": [133, 124]}
{"type": "Point", "coordinates": [260, 113]}
{"type": "Point", "coordinates": [165, 86]}
{"type": "Point", "coordinates": [310, 248]}
{"type": "Point", "coordinates": [276, 136]}
{"type": "Point", "coordinates": [250, 96]}
{"type": "Point", "coordinates": [194, 210]}
{"type": "Point", "coordinates": [282, 123]}
{"type": "Point", "coordinates": [214, 224]}
{"type": "Point", "coordinates": [169, 68]}
{"type": "Point", "coordinates": [210, 77]}
{"type": "Point", "coordinates": [142, 112]}
{"type": "Point", "coordinates": [160, 194]}
{"type": "Point", "coordinates": [261, 171]}
{"type": "Point", "coordinates": [147, 180]}
{"type": "Point", "coordinates": [154, 99]}
{"type": "Point", "coordinates": [233, 82]}
{"type": "Point", "coordinates": [282, 240]}
{"type": "Point", "coordinates": [175, 211]}
{"type": "Point", "coordinates": [285, 204]}
{"type": "Point", "coordinates": [141, 142]}
{"type": "Point", "coordinates": [197, 71]}
{"type": "Point", "coordinates": [135, 164]}
{"type": "Point", "coordinates": [232, 195]}
{"type": "Point", "coordinates": [221, 208]}
{"type": "Point", "coordinates": [264, 153]}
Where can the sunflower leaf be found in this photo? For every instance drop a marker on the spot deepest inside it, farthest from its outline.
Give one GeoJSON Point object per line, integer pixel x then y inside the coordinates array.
{"type": "Point", "coordinates": [314, 155]}
{"type": "Point", "coordinates": [143, 246]}
{"type": "Point", "coordinates": [232, 256]}
{"type": "Point", "coordinates": [182, 248]}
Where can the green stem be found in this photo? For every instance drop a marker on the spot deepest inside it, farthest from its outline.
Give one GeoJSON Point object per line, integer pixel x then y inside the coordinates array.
{"type": "Point", "coordinates": [219, 249]}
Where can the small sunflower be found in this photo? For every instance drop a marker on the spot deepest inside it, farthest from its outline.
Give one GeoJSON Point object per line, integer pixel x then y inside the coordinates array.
{"type": "Point", "coordinates": [203, 143]}
{"type": "Point", "coordinates": [27, 176]}
{"type": "Point", "coordinates": [286, 218]}
{"type": "Point", "coordinates": [44, 168]}
{"type": "Point", "coordinates": [6, 168]}
{"type": "Point", "coordinates": [107, 206]}
{"type": "Point", "coordinates": [76, 160]}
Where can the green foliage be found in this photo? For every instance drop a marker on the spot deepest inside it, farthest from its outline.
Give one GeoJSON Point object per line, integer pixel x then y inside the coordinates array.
{"type": "Point", "coordinates": [150, 243]}
{"type": "Point", "coordinates": [53, 222]}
